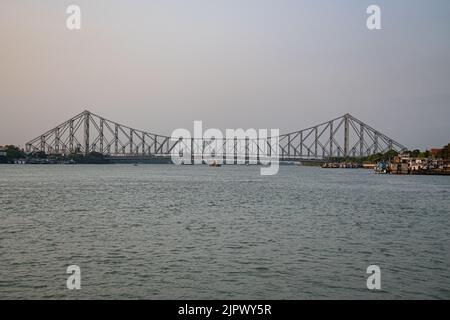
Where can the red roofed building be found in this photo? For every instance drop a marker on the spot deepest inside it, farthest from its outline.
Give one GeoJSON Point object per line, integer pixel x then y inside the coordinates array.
{"type": "Point", "coordinates": [435, 151]}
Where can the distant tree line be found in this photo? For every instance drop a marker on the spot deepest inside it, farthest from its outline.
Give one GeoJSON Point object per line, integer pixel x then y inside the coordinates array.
{"type": "Point", "coordinates": [12, 153]}
{"type": "Point", "coordinates": [15, 153]}
{"type": "Point", "coordinates": [444, 153]}
{"type": "Point", "coordinates": [374, 158]}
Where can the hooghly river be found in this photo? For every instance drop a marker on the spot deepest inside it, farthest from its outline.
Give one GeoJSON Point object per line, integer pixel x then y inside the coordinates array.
{"type": "Point", "coordinates": [196, 232]}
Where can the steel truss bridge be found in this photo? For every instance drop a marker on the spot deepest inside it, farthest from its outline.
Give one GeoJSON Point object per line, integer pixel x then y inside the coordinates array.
{"type": "Point", "coordinates": [87, 132]}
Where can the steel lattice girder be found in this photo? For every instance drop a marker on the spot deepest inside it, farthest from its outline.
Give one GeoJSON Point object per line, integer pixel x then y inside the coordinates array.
{"type": "Point", "coordinates": [88, 132]}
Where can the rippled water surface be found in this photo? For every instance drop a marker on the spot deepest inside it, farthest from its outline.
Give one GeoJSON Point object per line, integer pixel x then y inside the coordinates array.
{"type": "Point", "coordinates": [195, 232]}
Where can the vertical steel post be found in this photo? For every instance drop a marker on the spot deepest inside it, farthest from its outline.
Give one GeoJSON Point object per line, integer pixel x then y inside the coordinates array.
{"type": "Point", "coordinates": [192, 151]}
{"type": "Point", "coordinates": [235, 150]}
{"type": "Point", "coordinates": [131, 141]}
{"type": "Point", "coordinates": [247, 151]}
{"type": "Point", "coordinates": [315, 141]}
{"type": "Point", "coordinates": [257, 149]}
{"type": "Point", "coordinates": [346, 135]}
{"type": "Point", "coordinates": [361, 140]}
{"type": "Point", "coordinates": [143, 143]}
{"type": "Point", "coordinates": [101, 135]}
{"type": "Point", "coordinates": [289, 146]}
{"type": "Point", "coordinates": [375, 143]}
{"type": "Point", "coordinates": [57, 140]}
{"type": "Point", "coordinates": [71, 136]}
{"type": "Point", "coordinates": [86, 133]}
{"type": "Point", "coordinates": [43, 143]}
{"type": "Point", "coordinates": [116, 138]}
{"type": "Point", "coordinates": [301, 143]}
{"type": "Point", "coordinates": [167, 145]}
{"type": "Point", "coordinates": [331, 139]}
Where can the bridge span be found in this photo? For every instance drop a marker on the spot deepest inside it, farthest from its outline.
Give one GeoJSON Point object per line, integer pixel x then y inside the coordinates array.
{"type": "Point", "coordinates": [87, 132]}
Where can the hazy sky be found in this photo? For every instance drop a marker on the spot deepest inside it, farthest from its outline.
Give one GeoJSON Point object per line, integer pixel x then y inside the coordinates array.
{"type": "Point", "coordinates": [160, 65]}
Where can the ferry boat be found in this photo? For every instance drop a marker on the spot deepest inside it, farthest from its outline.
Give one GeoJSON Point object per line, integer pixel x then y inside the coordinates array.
{"type": "Point", "coordinates": [215, 163]}
{"type": "Point", "coordinates": [382, 168]}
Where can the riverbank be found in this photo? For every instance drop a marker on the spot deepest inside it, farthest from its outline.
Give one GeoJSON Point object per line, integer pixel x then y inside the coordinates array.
{"type": "Point", "coordinates": [405, 164]}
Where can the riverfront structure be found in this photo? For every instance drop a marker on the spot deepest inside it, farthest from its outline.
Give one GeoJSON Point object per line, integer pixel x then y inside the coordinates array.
{"type": "Point", "coordinates": [87, 132]}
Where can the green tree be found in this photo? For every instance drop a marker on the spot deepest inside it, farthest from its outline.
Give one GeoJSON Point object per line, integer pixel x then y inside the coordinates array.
{"type": "Point", "coordinates": [389, 155]}
{"type": "Point", "coordinates": [415, 153]}
{"type": "Point", "coordinates": [445, 152]}
{"type": "Point", "coordinates": [13, 153]}
{"type": "Point", "coordinates": [423, 155]}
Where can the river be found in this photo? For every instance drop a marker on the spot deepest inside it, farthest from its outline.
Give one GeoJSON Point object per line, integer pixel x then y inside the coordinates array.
{"type": "Point", "coordinates": [196, 232]}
